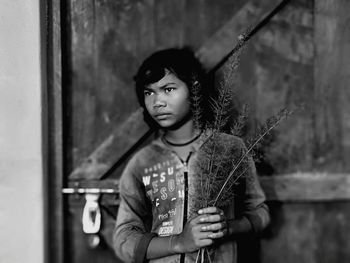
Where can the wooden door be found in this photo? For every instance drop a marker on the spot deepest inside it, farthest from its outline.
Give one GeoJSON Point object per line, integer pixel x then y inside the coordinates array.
{"type": "Point", "coordinates": [103, 43]}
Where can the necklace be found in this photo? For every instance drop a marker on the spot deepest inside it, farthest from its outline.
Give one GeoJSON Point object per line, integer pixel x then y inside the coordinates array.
{"type": "Point", "coordinates": [181, 144]}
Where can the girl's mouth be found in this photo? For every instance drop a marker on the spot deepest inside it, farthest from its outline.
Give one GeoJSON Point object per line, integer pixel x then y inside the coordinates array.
{"type": "Point", "coordinates": [162, 116]}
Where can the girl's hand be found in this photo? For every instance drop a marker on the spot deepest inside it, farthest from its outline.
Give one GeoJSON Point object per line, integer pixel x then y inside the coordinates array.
{"type": "Point", "coordinates": [214, 221]}
{"type": "Point", "coordinates": [192, 237]}
{"type": "Point", "coordinates": [200, 231]}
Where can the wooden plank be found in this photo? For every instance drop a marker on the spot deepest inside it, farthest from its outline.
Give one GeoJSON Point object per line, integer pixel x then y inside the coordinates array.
{"type": "Point", "coordinates": [332, 81]}
{"type": "Point", "coordinates": [80, 99]}
{"type": "Point", "coordinates": [306, 232]}
{"type": "Point", "coordinates": [307, 187]}
{"type": "Point", "coordinates": [223, 41]}
{"type": "Point", "coordinates": [111, 149]}
{"type": "Point", "coordinates": [53, 134]}
{"type": "Point", "coordinates": [269, 82]}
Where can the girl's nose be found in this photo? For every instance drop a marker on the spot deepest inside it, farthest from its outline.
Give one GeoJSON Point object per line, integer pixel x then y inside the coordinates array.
{"type": "Point", "coordinates": [159, 102]}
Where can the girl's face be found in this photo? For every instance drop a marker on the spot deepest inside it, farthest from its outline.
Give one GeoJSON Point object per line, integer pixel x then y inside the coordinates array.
{"type": "Point", "coordinates": [168, 102]}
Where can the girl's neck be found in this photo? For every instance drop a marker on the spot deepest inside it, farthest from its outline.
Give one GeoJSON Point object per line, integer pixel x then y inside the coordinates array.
{"type": "Point", "coordinates": [182, 134]}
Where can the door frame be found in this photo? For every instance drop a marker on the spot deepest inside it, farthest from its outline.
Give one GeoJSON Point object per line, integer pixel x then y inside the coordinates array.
{"type": "Point", "coordinates": [52, 129]}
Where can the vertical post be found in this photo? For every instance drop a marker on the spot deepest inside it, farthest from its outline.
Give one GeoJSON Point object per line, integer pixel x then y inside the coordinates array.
{"type": "Point", "coordinates": [52, 130]}
{"type": "Point", "coordinates": [332, 81]}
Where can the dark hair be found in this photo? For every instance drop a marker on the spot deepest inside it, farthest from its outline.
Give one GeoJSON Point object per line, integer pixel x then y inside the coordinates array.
{"type": "Point", "coordinates": [184, 65]}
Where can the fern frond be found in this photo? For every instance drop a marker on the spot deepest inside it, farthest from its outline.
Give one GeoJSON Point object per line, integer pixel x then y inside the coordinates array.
{"type": "Point", "coordinates": [282, 114]}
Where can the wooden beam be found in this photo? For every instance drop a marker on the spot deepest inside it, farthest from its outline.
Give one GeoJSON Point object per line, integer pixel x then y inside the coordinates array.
{"type": "Point", "coordinates": [112, 148]}
{"type": "Point", "coordinates": [306, 187]}
{"type": "Point", "coordinates": [223, 41]}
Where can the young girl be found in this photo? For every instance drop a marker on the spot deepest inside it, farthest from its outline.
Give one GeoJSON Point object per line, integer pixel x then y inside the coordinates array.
{"type": "Point", "coordinates": [153, 220]}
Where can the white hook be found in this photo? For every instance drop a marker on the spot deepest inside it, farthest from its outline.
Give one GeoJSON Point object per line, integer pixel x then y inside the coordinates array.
{"type": "Point", "coordinates": [91, 214]}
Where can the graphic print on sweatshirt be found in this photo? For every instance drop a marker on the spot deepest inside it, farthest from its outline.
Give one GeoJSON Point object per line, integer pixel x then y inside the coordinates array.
{"type": "Point", "coordinates": [164, 184]}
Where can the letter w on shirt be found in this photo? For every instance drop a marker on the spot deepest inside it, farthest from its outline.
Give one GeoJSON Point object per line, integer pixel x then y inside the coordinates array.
{"type": "Point", "coordinates": [146, 180]}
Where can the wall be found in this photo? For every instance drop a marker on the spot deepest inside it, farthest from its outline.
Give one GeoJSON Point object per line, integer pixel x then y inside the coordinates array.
{"type": "Point", "coordinates": [21, 189]}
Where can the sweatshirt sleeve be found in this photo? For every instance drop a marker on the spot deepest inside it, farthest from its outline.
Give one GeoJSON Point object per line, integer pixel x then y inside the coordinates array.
{"type": "Point", "coordinates": [132, 235]}
{"type": "Point", "coordinates": [253, 201]}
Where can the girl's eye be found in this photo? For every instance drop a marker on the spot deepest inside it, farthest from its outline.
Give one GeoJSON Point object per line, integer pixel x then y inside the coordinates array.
{"type": "Point", "coordinates": [167, 90]}
{"type": "Point", "coordinates": [147, 93]}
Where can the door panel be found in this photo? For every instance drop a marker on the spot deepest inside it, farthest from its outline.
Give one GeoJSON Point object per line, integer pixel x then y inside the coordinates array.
{"type": "Point", "coordinates": [105, 42]}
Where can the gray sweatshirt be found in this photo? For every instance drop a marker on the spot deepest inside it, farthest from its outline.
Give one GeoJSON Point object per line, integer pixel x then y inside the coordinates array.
{"type": "Point", "coordinates": [154, 201]}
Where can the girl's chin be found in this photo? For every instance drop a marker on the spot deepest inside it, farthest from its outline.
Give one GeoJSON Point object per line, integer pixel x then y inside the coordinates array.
{"type": "Point", "coordinates": [171, 123]}
{"type": "Point", "coordinates": [165, 123]}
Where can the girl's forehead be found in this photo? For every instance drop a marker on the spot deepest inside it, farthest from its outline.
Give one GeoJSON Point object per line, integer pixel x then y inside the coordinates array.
{"type": "Point", "coordinates": [168, 79]}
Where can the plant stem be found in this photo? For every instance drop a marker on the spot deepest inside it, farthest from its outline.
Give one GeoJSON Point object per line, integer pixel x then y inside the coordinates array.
{"type": "Point", "coordinates": [197, 258]}
{"type": "Point", "coordinates": [243, 157]}
{"type": "Point", "coordinates": [208, 256]}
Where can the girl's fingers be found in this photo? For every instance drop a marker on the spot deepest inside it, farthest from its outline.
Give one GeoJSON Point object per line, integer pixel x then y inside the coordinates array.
{"type": "Point", "coordinates": [211, 218]}
{"type": "Point", "coordinates": [216, 235]}
{"type": "Point", "coordinates": [214, 227]}
{"type": "Point", "coordinates": [210, 210]}
{"type": "Point", "coordinates": [203, 235]}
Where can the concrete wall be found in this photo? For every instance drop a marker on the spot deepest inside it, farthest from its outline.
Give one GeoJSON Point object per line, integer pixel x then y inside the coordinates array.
{"type": "Point", "coordinates": [21, 176]}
